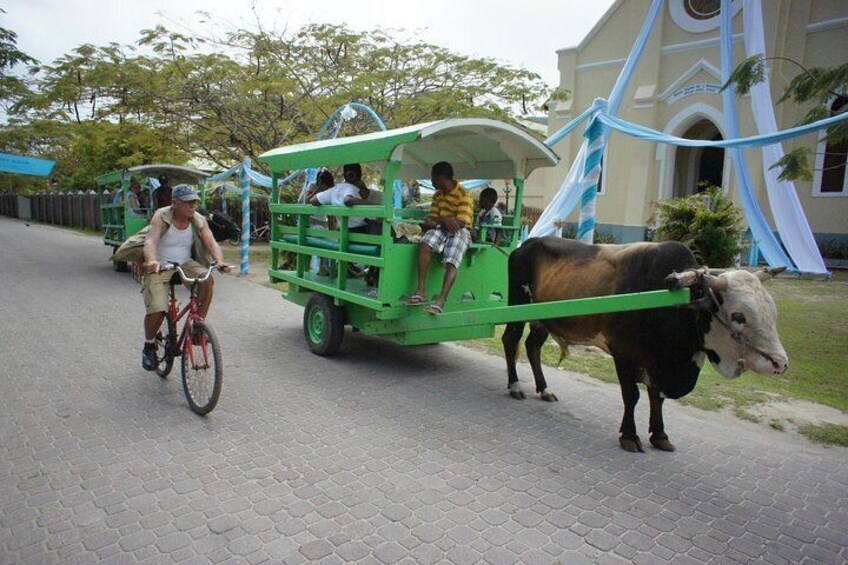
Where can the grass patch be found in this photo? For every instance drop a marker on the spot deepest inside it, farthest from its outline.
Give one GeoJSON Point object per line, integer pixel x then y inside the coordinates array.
{"type": "Point", "coordinates": [776, 425]}
{"type": "Point", "coordinates": [830, 434]}
{"type": "Point", "coordinates": [260, 255]}
{"type": "Point", "coordinates": [590, 361]}
{"type": "Point", "coordinates": [260, 260]}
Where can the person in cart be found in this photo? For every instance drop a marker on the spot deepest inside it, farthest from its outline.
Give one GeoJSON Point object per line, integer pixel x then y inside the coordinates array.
{"type": "Point", "coordinates": [350, 193]}
{"type": "Point", "coordinates": [134, 200]}
{"type": "Point", "coordinates": [446, 232]}
{"type": "Point", "coordinates": [489, 215]}
{"type": "Point", "coordinates": [162, 195]}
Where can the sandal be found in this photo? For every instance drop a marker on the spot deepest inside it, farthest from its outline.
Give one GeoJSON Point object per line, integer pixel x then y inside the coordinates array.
{"type": "Point", "coordinates": [416, 300]}
{"type": "Point", "coordinates": [434, 309]}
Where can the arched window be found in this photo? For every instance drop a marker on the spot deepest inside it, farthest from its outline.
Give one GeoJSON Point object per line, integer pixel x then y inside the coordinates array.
{"type": "Point", "coordinates": [831, 160]}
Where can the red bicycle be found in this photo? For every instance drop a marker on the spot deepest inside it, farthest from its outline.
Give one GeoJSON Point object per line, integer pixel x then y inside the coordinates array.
{"type": "Point", "coordinates": [196, 345]}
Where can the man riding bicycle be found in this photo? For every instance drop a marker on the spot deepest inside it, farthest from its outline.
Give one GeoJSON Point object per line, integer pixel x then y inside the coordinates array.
{"type": "Point", "coordinates": [177, 234]}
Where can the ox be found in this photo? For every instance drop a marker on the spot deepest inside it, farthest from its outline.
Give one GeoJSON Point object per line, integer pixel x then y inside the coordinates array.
{"type": "Point", "coordinates": [731, 320]}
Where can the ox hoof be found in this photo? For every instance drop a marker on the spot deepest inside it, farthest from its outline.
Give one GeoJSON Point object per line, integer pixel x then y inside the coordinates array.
{"type": "Point", "coordinates": [632, 444]}
{"type": "Point", "coordinates": [662, 443]}
{"type": "Point", "coordinates": [519, 394]}
{"type": "Point", "coordinates": [548, 396]}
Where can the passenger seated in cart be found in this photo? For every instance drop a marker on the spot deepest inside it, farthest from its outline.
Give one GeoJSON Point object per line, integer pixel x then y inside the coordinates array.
{"type": "Point", "coordinates": [324, 182]}
{"type": "Point", "coordinates": [446, 232]}
{"type": "Point", "coordinates": [162, 195]}
{"type": "Point", "coordinates": [353, 174]}
{"type": "Point", "coordinates": [490, 216]}
{"type": "Point", "coordinates": [350, 193]}
{"type": "Point", "coordinates": [134, 200]}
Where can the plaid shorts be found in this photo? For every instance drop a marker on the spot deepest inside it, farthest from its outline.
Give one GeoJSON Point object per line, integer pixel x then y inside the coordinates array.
{"type": "Point", "coordinates": [452, 246]}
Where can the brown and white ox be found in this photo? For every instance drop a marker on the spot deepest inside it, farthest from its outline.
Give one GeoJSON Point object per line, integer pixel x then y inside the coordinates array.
{"type": "Point", "coordinates": [731, 320]}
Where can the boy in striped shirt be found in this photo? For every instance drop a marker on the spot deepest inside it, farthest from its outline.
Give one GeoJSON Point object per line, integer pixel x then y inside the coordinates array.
{"type": "Point", "coordinates": [446, 232]}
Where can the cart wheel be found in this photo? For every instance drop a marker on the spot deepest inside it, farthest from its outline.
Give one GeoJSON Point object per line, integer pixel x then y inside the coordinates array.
{"type": "Point", "coordinates": [323, 325]}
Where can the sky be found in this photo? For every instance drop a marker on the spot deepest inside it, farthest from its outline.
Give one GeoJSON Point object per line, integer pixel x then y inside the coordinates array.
{"type": "Point", "coordinates": [523, 34]}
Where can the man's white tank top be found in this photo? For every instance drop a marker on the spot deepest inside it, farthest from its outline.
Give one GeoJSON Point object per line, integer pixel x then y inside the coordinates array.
{"type": "Point", "coordinates": [175, 245]}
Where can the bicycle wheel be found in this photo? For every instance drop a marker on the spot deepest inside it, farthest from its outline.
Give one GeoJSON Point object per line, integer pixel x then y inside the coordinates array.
{"type": "Point", "coordinates": [166, 347]}
{"type": "Point", "coordinates": [202, 369]}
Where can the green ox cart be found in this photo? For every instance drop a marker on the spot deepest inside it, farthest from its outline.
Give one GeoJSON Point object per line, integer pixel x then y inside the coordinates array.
{"type": "Point", "coordinates": [477, 148]}
{"type": "Point", "coordinates": [120, 218]}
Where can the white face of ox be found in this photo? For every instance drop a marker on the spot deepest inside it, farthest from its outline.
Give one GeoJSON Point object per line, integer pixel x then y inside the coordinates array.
{"type": "Point", "coordinates": [749, 341]}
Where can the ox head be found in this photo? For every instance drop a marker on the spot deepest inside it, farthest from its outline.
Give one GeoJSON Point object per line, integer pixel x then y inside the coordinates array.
{"type": "Point", "coordinates": [740, 331]}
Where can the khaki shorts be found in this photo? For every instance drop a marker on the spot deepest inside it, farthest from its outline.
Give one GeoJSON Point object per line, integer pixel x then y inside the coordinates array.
{"type": "Point", "coordinates": [154, 287]}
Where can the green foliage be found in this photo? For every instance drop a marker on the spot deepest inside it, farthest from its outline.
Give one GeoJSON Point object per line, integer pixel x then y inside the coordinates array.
{"type": "Point", "coordinates": [834, 249]}
{"type": "Point", "coordinates": [748, 73]}
{"type": "Point", "coordinates": [569, 231]}
{"type": "Point", "coordinates": [11, 87]}
{"type": "Point", "coordinates": [706, 222]}
{"type": "Point", "coordinates": [816, 87]}
{"type": "Point", "coordinates": [794, 165]}
{"type": "Point", "coordinates": [86, 150]}
{"type": "Point", "coordinates": [220, 98]}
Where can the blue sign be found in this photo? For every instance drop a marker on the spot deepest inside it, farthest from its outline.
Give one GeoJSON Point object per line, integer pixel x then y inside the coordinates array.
{"type": "Point", "coordinates": [19, 164]}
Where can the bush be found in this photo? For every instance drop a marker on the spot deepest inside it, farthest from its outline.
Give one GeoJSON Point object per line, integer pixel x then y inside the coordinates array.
{"type": "Point", "coordinates": [834, 249]}
{"type": "Point", "coordinates": [706, 222]}
{"type": "Point", "coordinates": [569, 231]}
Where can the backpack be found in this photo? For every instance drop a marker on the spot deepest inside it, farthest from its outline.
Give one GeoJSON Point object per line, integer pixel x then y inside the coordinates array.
{"type": "Point", "coordinates": [223, 228]}
{"type": "Point", "coordinates": [132, 249]}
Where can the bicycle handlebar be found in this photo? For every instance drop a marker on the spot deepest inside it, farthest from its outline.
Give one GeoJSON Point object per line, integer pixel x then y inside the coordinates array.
{"type": "Point", "coordinates": [186, 278]}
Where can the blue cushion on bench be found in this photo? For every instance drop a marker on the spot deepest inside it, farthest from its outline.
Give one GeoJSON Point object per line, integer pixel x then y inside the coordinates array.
{"type": "Point", "coordinates": [333, 245]}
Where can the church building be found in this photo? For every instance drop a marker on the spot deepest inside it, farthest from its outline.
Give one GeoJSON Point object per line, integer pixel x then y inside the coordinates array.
{"type": "Point", "coordinates": [675, 89]}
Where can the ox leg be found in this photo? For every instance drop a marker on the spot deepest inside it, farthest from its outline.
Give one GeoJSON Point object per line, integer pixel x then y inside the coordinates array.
{"type": "Point", "coordinates": [656, 427]}
{"type": "Point", "coordinates": [510, 339]}
{"type": "Point", "coordinates": [628, 374]}
{"type": "Point", "coordinates": [533, 345]}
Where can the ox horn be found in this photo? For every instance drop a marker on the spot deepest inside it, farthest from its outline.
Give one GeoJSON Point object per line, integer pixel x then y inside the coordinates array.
{"type": "Point", "coordinates": [718, 284]}
{"type": "Point", "coordinates": [766, 273]}
{"type": "Point", "coordinates": [685, 279]}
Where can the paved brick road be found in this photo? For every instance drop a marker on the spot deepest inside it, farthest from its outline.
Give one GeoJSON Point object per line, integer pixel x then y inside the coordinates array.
{"type": "Point", "coordinates": [381, 455]}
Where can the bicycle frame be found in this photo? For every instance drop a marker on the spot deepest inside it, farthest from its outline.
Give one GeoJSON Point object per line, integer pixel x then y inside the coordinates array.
{"type": "Point", "coordinates": [191, 315]}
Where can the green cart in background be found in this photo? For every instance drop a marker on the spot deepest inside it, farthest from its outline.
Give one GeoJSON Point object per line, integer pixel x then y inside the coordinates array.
{"type": "Point", "coordinates": [476, 148]}
{"type": "Point", "coordinates": [120, 221]}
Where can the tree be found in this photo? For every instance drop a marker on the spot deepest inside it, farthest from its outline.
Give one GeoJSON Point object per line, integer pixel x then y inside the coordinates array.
{"type": "Point", "coordinates": [11, 87]}
{"type": "Point", "coordinates": [817, 86]}
{"type": "Point", "coordinates": [176, 96]}
{"type": "Point", "coordinates": [223, 98]}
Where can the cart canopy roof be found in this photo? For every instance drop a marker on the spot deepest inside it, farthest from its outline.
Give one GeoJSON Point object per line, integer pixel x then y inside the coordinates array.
{"type": "Point", "coordinates": [475, 147]}
{"type": "Point", "coordinates": [176, 174]}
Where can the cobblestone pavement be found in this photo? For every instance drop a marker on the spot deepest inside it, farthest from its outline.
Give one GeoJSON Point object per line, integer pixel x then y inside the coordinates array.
{"type": "Point", "coordinates": [383, 454]}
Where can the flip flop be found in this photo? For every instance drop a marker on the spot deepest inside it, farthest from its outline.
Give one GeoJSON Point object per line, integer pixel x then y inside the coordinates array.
{"type": "Point", "coordinates": [416, 300]}
{"type": "Point", "coordinates": [434, 309]}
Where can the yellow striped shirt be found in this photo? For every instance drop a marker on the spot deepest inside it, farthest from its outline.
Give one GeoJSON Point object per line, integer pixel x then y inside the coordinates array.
{"type": "Point", "coordinates": [458, 203]}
